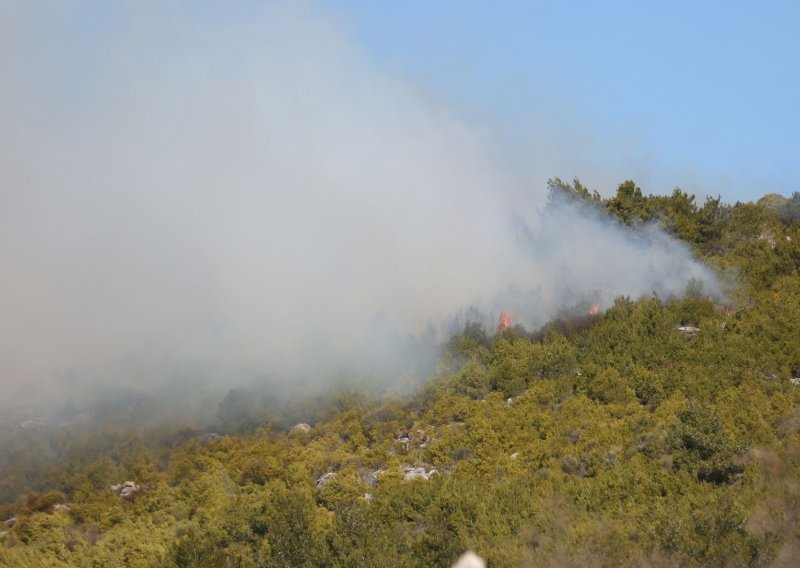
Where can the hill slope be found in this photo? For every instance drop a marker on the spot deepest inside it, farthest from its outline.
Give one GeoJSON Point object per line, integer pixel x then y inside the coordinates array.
{"type": "Point", "coordinates": [664, 431]}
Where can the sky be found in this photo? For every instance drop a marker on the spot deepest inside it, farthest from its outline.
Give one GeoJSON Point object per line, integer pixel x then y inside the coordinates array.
{"type": "Point", "coordinates": [701, 95]}
{"type": "Point", "coordinates": [242, 187]}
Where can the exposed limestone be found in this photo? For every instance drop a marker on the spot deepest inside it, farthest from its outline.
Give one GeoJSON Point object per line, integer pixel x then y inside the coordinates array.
{"type": "Point", "coordinates": [32, 424]}
{"type": "Point", "coordinates": [300, 428]}
{"type": "Point", "coordinates": [768, 237]}
{"type": "Point", "coordinates": [420, 472]}
{"type": "Point", "coordinates": [325, 479]}
{"type": "Point", "coordinates": [371, 479]}
{"type": "Point", "coordinates": [127, 491]}
{"type": "Point", "coordinates": [212, 437]}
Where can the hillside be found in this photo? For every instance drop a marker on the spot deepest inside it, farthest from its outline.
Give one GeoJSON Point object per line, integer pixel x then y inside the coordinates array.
{"type": "Point", "coordinates": [660, 431]}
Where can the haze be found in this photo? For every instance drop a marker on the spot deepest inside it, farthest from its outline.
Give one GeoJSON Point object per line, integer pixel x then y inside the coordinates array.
{"type": "Point", "coordinates": [249, 194]}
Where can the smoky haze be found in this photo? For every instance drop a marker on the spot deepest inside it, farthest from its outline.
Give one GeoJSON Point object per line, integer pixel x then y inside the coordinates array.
{"type": "Point", "coordinates": [249, 194]}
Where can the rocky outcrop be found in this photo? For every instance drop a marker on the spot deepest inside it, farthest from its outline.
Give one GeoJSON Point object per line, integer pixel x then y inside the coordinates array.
{"type": "Point", "coordinates": [325, 479]}
{"type": "Point", "coordinates": [11, 522]}
{"type": "Point", "coordinates": [32, 424]}
{"type": "Point", "coordinates": [419, 472]}
{"type": "Point", "coordinates": [409, 473]}
{"type": "Point", "coordinates": [210, 437]}
{"type": "Point", "coordinates": [128, 491]}
{"type": "Point", "coordinates": [300, 428]}
{"type": "Point", "coordinates": [61, 508]}
{"type": "Point", "coordinates": [371, 478]}
{"type": "Point", "coordinates": [404, 441]}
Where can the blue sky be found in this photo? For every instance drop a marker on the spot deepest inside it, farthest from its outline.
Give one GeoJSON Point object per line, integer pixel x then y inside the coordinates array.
{"type": "Point", "coordinates": [702, 95]}
{"type": "Point", "coordinates": [199, 169]}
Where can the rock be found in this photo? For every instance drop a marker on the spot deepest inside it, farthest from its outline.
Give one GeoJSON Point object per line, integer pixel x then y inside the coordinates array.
{"type": "Point", "coordinates": [469, 560]}
{"type": "Point", "coordinates": [371, 479]}
{"type": "Point", "coordinates": [410, 473]}
{"type": "Point", "coordinates": [688, 330]}
{"type": "Point", "coordinates": [510, 401]}
{"type": "Point", "coordinates": [11, 522]}
{"type": "Point", "coordinates": [767, 237]}
{"type": "Point", "coordinates": [212, 437]}
{"type": "Point", "coordinates": [402, 442]}
{"type": "Point", "coordinates": [515, 455]}
{"type": "Point", "coordinates": [128, 490]}
{"type": "Point", "coordinates": [368, 496]}
{"type": "Point", "coordinates": [300, 428]}
{"type": "Point", "coordinates": [795, 381]}
{"type": "Point", "coordinates": [60, 508]}
{"type": "Point", "coordinates": [128, 493]}
{"type": "Point", "coordinates": [325, 479]}
{"type": "Point", "coordinates": [32, 424]}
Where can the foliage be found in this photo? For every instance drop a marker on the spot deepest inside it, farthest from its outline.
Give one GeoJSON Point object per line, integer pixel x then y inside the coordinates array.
{"type": "Point", "coordinates": [611, 440]}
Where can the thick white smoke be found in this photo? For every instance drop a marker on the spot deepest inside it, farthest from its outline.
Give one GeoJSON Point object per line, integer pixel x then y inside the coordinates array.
{"type": "Point", "coordinates": [180, 185]}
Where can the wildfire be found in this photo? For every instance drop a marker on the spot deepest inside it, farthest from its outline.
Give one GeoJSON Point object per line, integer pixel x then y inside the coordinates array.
{"type": "Point", "coordinates": [505, 321]}
{"type": "Point", "coordinates": [595, 309]}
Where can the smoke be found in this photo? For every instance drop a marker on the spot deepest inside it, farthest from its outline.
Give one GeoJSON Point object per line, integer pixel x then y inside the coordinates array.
{"type": "Point", "coordinates": [188, 189]}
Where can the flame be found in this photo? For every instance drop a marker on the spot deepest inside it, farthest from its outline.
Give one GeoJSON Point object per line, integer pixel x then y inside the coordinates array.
{"type": "Point", "coordinates": [595, 309]}
{"type": "Point", "coordinates": [505, 321]}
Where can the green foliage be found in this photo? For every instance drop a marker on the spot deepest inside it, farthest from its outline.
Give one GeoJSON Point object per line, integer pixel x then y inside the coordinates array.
{"type": "Point", "coordinates": [789, 211]}
{"type": "Point", "coordinates": [702, 446]}
{"type": "Point", "coordinates": [629, 205]}
{"type": "Point", "coordinates": [615, 440]}
{"type": "Point", "coordinates": [576, 192]}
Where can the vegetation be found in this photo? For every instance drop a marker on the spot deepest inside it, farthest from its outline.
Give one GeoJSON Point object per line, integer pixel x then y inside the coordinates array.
{"type": "Point", "coordinates": [613, 439]}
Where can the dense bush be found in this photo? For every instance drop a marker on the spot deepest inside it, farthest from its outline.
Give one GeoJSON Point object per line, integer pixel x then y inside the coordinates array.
{"type": "Point", "coordinates": [611, 440]}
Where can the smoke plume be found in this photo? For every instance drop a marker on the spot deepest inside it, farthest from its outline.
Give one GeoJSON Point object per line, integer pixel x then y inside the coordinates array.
{"type": "Point", "coordinates": [187, 189]}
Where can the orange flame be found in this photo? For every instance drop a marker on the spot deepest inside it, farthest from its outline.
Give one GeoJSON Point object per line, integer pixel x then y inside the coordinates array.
{"type": "Point", "coordinates": [595, 309]}
{"type": "Point", "coordinates": [505, 321]}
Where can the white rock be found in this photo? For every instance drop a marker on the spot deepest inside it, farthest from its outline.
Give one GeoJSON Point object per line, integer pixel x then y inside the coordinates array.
{"type": "Point", "coordinates": [127, 490]}
{"type": "Point", "coordinates": [371, 479]}
{"type": "Point", "coordinates": [300, 428]}
{"type": "Point", "coordinates": [323, 480]}
{"type": "Point", "coordinates": [410, 473]}
{"type": "Point", "coordinates": [469, 560]}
